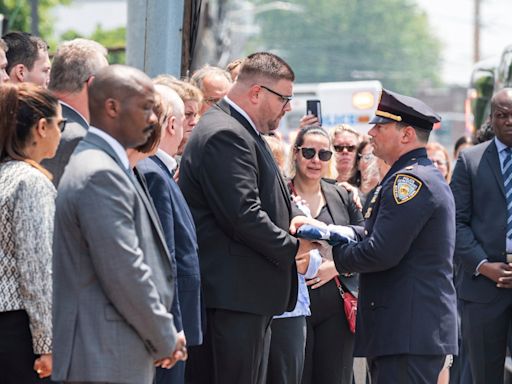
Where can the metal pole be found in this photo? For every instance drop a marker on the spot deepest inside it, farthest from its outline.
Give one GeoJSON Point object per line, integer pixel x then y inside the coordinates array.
{"type": "Point", "coordinates": [34, 24]}
{"type": "Point", "coordinates": [154, 36]}
{"type": "Point", "coordinates": [476, 35]}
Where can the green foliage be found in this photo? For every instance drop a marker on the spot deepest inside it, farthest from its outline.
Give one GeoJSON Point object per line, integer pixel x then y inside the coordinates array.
{"type": "Point", "coordinates": [113, 39]}
{"type": "Point", "coordinates": [19, 19]}
{"type": "Point", "coordinates": [341, 40]}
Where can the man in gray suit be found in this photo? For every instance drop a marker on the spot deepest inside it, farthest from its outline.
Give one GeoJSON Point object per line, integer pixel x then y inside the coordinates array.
{"type": "Point", "coordinates": [113, 280]}
{"type": "Point", "coordinates": [73, 69]}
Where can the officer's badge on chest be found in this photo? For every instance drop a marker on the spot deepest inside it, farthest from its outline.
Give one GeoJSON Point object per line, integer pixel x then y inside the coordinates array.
{"type": "Point", "coordinates": [405, 188]}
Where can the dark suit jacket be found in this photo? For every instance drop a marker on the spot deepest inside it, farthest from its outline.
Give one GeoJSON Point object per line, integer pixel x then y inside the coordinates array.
{"type": "Point", "coordinates": [344, 212]}
{"type": "Point", "coordinates": [407, 301]}
{"type": "Point", "coordinates": [180, 236]}
{"type": "Point", "coordinates": [242, 212]}
{"type": "Point", "coordinates": [76, 129]}
{"type": "Point", "coordinates": [477, 186]}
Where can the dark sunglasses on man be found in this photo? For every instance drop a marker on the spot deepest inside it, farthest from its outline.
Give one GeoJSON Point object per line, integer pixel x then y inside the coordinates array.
{"type": "Point", "coordinates": [340, 148]}
{"type": "Point", "coordinates": [309, 153]}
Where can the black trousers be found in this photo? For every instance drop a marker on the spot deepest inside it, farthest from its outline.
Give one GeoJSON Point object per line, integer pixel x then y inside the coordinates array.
{"type": "Point", "coordinates": [287, 349]}
{"type": "Point", "coordinates": [329, 342]}
{"type": "Point", "coordinates": [175, 375]}
{"type": "Point", "coordinates": [485, 329]}
{"type": "Point", "coordinates": [406, 369]}
{"type": "Point", "coordinates": [232, 351]}
{"type": "Point", "coordinates": [16, 353]}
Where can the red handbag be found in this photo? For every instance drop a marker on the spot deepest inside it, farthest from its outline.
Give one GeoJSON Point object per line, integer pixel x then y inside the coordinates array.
{"type": "Point", "coordinates": [349, 304]}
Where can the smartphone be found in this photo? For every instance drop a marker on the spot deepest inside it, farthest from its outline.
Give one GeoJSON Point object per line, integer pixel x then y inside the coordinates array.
{"type": "Point", "coordinates": [313, 107]}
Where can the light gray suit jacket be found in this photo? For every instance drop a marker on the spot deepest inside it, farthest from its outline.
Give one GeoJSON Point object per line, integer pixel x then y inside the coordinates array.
{"type": "Point", "coordinates": [112, 275]}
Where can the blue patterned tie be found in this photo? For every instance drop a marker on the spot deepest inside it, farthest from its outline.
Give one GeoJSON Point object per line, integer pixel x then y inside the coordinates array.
{"type": "Point", "coordinates": [507, 182]}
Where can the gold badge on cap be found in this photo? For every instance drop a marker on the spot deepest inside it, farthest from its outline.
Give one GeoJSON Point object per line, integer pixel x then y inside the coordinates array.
{"type": "Point", "coordinates": [405, 188]}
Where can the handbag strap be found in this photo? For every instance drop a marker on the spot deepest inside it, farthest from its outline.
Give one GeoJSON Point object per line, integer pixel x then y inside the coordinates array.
{"type": "Point", "coordinates": [339, 286]}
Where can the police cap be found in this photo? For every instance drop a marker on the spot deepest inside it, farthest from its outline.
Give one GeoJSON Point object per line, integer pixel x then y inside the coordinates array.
{"type": "Point", "coordinates": [394, 107]}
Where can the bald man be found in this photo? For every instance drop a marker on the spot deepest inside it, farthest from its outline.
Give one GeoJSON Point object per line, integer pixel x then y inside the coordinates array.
{"type": "Point", "coordinates": [481, 185]}
{"type": "Point", "coordinates": [113, 282]}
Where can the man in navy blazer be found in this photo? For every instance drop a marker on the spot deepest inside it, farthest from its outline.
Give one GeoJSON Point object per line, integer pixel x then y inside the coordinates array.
{"type": "Point", "coordinates": [179, 230]}
{"type": "Point", "coordinates": [483, 251]}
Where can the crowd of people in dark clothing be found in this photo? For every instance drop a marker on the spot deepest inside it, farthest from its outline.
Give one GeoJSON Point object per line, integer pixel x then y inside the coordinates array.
{"type": "Point", "coordinates": [156, 223]}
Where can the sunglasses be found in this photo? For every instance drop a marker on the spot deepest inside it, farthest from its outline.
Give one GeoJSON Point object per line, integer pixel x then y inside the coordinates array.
{"type": "Point", "coordinates": [340, 148]}
{"type": "Point", "coordinates": [309, 153]}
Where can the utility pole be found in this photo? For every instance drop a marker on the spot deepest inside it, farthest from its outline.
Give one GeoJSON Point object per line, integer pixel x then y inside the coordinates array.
{"type": "Point", "coordinates": [154, 36]}
{"type": "Point", "coordinates": [476, 32]}
{"type": "Point", "coordinates": [34, 24]}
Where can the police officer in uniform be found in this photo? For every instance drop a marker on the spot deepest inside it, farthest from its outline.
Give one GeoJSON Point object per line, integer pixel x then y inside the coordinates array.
{"type": "Point", "coordinates": [406, 322]}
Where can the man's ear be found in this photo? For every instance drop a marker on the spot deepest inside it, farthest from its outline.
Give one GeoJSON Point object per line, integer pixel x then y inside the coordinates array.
{"type": "Point", "coordinates": [170, 126]}
{"type": "Point", "coordinates": [112, 107]}
{"type": "Point", "coordinates": [18, 72]}
{"type": "Point", "coordinates": [89, 81]}
{"type": "Point", "coordinates": [254, 94]}
{"type": "Point", "coordinates": [408, 134]}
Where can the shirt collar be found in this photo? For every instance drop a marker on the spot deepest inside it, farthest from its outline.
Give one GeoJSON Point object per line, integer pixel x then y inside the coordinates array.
{"type": "Point", "coordinates": [167, 159]}
{"type": "Point", "coordinates": [242, 112]}
{"type": "Point", "coordinates": [499, 145]}
{"type": "Point", "coordinates": [114, 144]}
{"type": "Point", "coordinates": [74, 110]}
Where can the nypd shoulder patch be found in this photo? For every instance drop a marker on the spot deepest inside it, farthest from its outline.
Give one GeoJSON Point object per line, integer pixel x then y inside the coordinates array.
{"type": "Point", "coordinates": [405, 188]}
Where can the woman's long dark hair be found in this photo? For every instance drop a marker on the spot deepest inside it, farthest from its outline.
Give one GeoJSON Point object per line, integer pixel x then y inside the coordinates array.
{"type": "Point", "coordinates": [21, 108]}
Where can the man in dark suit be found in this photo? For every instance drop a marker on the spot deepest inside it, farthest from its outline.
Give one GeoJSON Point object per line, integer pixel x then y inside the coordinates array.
{"type": "Point", "coordinates": [242, 211]}
{"type": "Point", "coordinates": [484, 245]}
{"type": "Point", "coordinates": [73, 69]}
{"type": "Point", "coordinates": [179, 230]}
{"type": "Point", "coordinates": [406, 321]}
{"type": "Point", "coordinates": [113, 280]}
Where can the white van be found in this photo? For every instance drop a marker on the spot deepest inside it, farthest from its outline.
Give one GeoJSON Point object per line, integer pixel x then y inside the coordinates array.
{"type": "Point", "coordinates": [348, 102]}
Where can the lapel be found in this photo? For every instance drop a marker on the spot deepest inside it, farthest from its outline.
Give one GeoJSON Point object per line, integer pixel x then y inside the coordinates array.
{"type": "Point", "coordinates": [262, 144]}
{"type": "Point", "coordinates": [137, 181]}
{"type": "Point", "coordinates": [72, 115]}
{"type": "Point", "coordinates": [493, 160]}
{"type": "Point", "coordinates": [331, 195]}
{"type": "Point", "coordinates": [142, 190]}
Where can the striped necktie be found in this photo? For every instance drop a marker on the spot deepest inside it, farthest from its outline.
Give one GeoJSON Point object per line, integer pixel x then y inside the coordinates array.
{"type": "Point", "coordinates": [507, 182]}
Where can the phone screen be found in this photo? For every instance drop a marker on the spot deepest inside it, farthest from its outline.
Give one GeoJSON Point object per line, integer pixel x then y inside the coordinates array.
{"type": "Point", "coordinates": [313, 107]}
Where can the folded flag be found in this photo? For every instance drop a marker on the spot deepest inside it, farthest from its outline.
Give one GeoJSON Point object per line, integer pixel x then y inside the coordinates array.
{"type": "Point", "coordinates": [332, 234]}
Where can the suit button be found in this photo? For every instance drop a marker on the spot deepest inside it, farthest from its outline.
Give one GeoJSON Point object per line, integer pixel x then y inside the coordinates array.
{"type": "Point", "coordinates": [366, 232]}
{"type": "Point", "coordinates": [372, 304]}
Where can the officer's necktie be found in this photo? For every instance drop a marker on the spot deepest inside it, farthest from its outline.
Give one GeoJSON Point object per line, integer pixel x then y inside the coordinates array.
{"type": "Point", "coordinates": [507, 182]}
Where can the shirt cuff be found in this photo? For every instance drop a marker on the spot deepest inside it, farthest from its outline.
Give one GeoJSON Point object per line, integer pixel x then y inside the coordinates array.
{"type": "Point", "coordinates": [314, 263]}
{"type": "Point", "coordinates": [477, 273]}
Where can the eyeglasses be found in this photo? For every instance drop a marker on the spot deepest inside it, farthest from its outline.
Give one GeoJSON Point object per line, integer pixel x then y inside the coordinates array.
{"type": "Point", "coordinates": [61, 124]}
{"type": "Point", "coordinates": [309, 153]}
{"type": "Point", "coordinates": [340, 148]}
{"type": "Point", "coordinates": [284, 99]}
{"type": "Point", "coordinates": [211, 100]}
